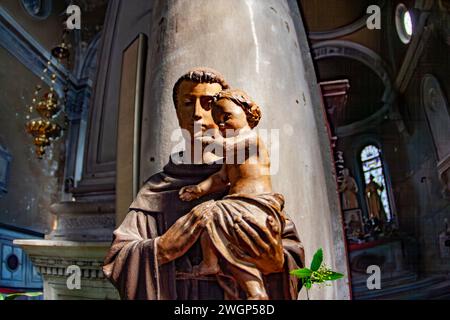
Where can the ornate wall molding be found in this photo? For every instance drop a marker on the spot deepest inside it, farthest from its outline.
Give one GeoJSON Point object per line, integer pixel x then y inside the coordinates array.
{"type": "Point", "coordinates": [54, 266]}
{"type": "Point", "coordinates": [355, 51]}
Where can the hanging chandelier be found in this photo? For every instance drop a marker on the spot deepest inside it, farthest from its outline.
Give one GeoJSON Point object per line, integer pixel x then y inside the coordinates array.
{"type": "Point", "coordinates": [45, 128]}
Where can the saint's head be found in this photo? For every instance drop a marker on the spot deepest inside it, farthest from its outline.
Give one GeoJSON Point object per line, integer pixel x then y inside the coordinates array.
{"type": "Point", "coordinates": [192, 96]}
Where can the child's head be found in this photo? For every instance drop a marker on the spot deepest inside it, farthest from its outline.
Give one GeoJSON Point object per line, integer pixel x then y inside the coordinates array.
{"type": "Point", "coordinates": [233, 109]}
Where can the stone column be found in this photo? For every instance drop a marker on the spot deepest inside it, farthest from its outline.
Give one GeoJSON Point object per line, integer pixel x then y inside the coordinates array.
{"type": "Point", "coordinates": [261, 47]}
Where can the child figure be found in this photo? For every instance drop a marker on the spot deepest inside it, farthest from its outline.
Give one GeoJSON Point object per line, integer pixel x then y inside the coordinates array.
{"type": "Point", "coordinates": [250, 219]}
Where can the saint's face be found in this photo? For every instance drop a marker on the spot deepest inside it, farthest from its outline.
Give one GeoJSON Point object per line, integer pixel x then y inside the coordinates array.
{"type": "Point", "coordinates": [229, 117]}
{"type": "Point", "coordinates": [194, 106]}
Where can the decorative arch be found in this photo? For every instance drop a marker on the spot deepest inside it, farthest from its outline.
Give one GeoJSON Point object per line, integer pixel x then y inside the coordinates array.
{"type": "Point", "coordinates": [344, 30]}
{"type": "Point", "coordinates": [355, 51]}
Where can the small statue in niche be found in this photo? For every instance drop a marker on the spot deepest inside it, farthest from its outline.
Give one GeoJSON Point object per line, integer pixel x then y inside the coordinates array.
{"type": "Point", "coordinates": [374, 205]}
{"type": "Point", "coordinates": [250, 197]}
{"type": "Point", "coordinates": [349, 191]}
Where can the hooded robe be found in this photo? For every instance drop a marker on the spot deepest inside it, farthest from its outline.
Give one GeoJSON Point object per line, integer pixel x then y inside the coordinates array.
{"type": "Point", "coordinates": [131, 263]}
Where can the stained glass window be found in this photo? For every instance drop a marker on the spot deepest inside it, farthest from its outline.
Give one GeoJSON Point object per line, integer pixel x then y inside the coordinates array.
{"type": "Point", "coordinates": [372, 165]}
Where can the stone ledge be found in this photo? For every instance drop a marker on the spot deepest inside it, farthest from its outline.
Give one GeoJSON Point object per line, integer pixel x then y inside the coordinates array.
{"type": "Point", "coordinates": [64, 248]}
{"type": "Point", "coordinates": [52, 258]}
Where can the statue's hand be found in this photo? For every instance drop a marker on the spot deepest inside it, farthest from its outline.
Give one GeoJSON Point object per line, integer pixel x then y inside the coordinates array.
{"type": "Point", "coordinates": [266, 251]}
{"type": "Point", "coordinates": [183, 233]}
{"type": "Point", "coordinates": [189, 193]}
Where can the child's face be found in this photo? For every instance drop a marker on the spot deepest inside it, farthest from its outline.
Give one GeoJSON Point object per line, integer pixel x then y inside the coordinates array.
{"type": "Point", "coordinates": [228, 115]}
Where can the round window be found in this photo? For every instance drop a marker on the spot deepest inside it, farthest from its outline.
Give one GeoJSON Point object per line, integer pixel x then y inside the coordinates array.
{"type": "Point", "coordinates": [404, 23]}
{"type": "Point", "coordinates": [12, 262]}
{"type": "Point", "coordinates": [39, 9]}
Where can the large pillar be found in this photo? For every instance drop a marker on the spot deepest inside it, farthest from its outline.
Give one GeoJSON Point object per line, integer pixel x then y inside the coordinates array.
{"type": "Point", "coordinates": [260, 46]}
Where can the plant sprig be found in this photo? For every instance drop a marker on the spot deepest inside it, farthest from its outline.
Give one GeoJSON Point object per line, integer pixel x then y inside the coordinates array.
{"type": "Point", "coordinates": [14, 296]}
{"type": "Point", "coordinates": [316, 273]}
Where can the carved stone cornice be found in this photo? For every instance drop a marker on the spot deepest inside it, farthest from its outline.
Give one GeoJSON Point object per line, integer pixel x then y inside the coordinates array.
{"type": "Point", "coordinates": [83, 221]}
{"type": "Point", "coordinates": [53, 257]}
{"type": "Point", "coordinates": [53, 266]}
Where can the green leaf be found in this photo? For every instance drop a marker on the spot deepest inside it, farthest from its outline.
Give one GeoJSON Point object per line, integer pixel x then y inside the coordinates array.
{"type": "Point", "coordinates": [22, 294]}
{"type": "Point", "coordinates": [333, 276]}
{"type": "Point", "coordinates": [301, 273]}
{"type": "Point", "coordinates": [317, 260]}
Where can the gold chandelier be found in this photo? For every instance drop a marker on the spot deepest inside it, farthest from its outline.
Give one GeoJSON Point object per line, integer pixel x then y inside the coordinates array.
{"type": "Point", "coordinates": [45, 129]}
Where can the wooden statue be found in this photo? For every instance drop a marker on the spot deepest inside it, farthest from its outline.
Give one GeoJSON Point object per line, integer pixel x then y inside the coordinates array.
{"type": "Point", "coordinates": [158, 243]}
{"type": "Point", "coordinates": [349, 190]}
{"type": "Point", "coordinates": [250, 197]}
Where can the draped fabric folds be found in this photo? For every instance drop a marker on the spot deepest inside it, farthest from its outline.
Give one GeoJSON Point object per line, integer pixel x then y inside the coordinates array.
{"type": "Point", "coordinates": [131, 263]}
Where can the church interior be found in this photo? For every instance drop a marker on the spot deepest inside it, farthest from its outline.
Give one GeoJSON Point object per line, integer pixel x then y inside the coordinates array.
{"type": "Point", "coordinates": [377, 89]}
